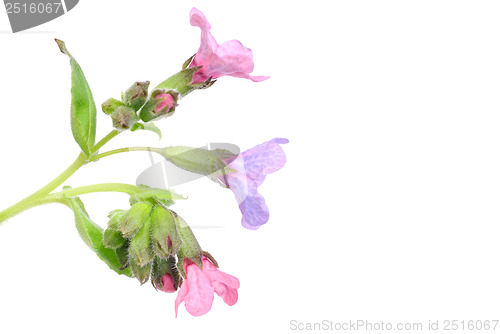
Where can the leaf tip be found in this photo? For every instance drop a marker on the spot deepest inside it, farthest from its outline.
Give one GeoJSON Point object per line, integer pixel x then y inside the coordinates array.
{"type": "Point", "coordinates": [62, 46]}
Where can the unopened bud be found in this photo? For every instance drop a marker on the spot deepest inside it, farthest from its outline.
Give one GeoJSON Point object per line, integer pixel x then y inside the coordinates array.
{"type": "Point", "coordinates": [161, 104]}
{"type": "Point", "coordinates": [142, 273]}
{"type": "Point", "coordinates": [136, 216]}
{"type": "Point", "coordinates": [190, 248]}
{"type": "Point", "coordinates": [165, 276]}
{"type": "Point", "coordinates": [140, 247]}
{"type": "Point", "coordinates": [136, 95]}
{"type": "Point", "coordinates": [110, 105]}
{"type": "Point", "coordinates": [113, 239]}
{"type": "Point", "coordinates": [124, 118]}
{"type": "Point", "coordinates": [165, 238]}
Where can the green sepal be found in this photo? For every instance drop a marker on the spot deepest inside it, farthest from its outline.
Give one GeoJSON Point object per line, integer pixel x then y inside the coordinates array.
{"type": "Point", "coordinates": [188, 62]}
{"type": "Point", "coordinates": [142, 273]}
{"type": "Point", "coordinates": [147, 112]}
{"type": "Point", "coordinates": [92, 235]}
{"type": "Point", "coordinates": [136, 216]}
{"type": "Point", "coordinates": [136, 95]}
{"type": "Point", "coordinates": [112, 239]}
{"type": "Point", "coordinates": [140, 246]}
{"type": "Point", "coordinates": [124, 118]}
{"type": "Point", "coordinates": [115, 219]}
{"type": "Point", "coordinates": [190, 248]}
{"type": "Point", "coordinates": [110, 105]}
{"type": "Point", "coordinates": [122, 254]}
{"type": "Point", "coordinates": [83, 110]}
{"type": "Point", "coordinates": [160, 268]}
{"type": "Point", "coordinates": [198, 160]}
{"type": "Point", "coordinates": [165, 237]}
{"type": "Point", "coordinates": [148, 127]}
{"type": "Point", "coordinates": [180, 81]}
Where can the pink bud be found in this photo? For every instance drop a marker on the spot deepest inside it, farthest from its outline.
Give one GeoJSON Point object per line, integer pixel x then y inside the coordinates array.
{"type": "Point", "coordinates": [168, 100]}
{"type": "Point", "coordinates": [168, 283]}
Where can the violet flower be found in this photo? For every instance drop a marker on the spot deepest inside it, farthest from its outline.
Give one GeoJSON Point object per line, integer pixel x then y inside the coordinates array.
{"type": "Point", "coordinates": [252, 166]}
{"type": "Point", "coordinates": [229, 58]}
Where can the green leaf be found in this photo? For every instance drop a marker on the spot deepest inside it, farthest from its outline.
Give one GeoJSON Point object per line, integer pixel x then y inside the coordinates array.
{"type": "Point", "coordinates": [148, 127]}
{"type": "Point", "coordinates": [83, 110]}
{"type": "Point", "coordinates": [92, 235]}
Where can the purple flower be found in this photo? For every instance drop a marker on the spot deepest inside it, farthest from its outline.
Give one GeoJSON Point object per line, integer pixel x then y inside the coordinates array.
{"type": "Point", "coordinates": [229, 58]}
{"type": "Point", "coordinates": [252, 166]}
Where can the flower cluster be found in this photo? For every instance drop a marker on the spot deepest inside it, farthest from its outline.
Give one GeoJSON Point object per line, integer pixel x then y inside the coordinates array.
{"type": "Point", "coordinates": [151, 239]}
{"type": "Point", "coordinates": [157, 244]}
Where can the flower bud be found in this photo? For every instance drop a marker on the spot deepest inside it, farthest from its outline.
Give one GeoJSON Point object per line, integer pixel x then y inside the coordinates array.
{"type": "Point", "coordinates": [165, 276]}
{"type": "Point", "coordinates": [136, 95]}
{"type": "Point", "coordinates": [136, 216]}
{"type": "Point", "coordinates": [142, 273]}
{"type": "Point", "coordinates": [124, 118]}
{"type": "Point", "coordinates": [161, 104]}
{"type": "Point", "coordinates": [122, 254]}
{"type": "Point", "coordinates": [115, 219]}
{"type": "Point", "coordinates": [110, 105]}
{"type": "Point", "coordinates": [140, 246]}
{"type": "Point", "coordinates": [165, 238]}
{"type": "Point", "coordinates": [190, 248]}
{"type": "Point", "coordinates": [113, 239]}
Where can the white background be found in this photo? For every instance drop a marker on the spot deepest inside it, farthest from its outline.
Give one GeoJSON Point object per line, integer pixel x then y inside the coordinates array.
{"type": "Point", "coordinates": [387, 209]}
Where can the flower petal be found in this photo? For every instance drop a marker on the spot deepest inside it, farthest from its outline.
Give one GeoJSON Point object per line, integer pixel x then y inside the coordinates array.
{"type": "Point", "coordinates": [255, 212]}
{"type": "Point", "coordinates": [230, 58]}
{"type": "Point", "coordinates": [265, 158]}
{"type": "Point", "coordinates": [200, 295]}
{"type": "Point", "coordinates": [228, 295]}
{"type": "Point", "coordinates": [181, 295]}
{"type": "Point", "coordinates": [208, 44]}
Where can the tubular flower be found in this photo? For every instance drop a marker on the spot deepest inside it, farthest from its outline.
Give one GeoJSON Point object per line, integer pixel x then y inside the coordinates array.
{"type": "Point", "coordinates": [197, 290]}
{"type": "Point", "coordinates": [229, 58]}
{"type": "Point", "coordinates": [252, 166]}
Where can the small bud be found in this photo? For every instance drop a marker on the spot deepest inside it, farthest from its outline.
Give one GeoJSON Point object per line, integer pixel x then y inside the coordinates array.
{"type": "Point", "coordinates": [140, 246]}
{"type": "Point", "coordinates": [137, 94]}
{"type": "Point", "coordinates": [122, 254]}
{"type": "Point", "coordinates": [190, 248]}
{"type": "Point", "coordinates": [124, 118]}
{"type": "Point", "coordinates": [160, 104]}
{"type": "Point", "coordinates": [110, 105]}
{"type": "Point", "coordinates": [165, 275]}
{"type": "Point", "coordinates": [112, 239]}
{"type": "Point", "coordinates": [115, 219]}
{"type": "Point", "coordinates": [136, 216]}
{"type": "Point", "coordinates": [142, 273]}
{"type": "Point", "coordinates": [165, 238]}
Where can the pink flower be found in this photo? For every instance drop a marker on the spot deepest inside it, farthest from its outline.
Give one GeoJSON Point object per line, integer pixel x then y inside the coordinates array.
{"type": "Point", "coordinates": [168, 100]}
{"type": "Point", "coordinates": [168, 283]}
{"type": "Point", "coordinates": [197, 290]}
{"type": "Point", "coordinates": [229, 58]}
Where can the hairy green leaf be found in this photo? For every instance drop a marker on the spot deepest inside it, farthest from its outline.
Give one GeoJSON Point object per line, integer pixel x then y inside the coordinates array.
{"type": "Point", "coordinates": [92, 235]}
{"type": "Point", "coordinates": [83, 110]}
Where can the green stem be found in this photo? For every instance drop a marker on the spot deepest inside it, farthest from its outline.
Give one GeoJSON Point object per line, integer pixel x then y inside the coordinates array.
{"type": "Point", "coordinates": [94, 188]}
{"type": "Point", "coordinates": [37, 195]}
{"type": "Point", "coordinates": [125, 149]}
{"type": "Point", "coordinates": [104, 140]}
{"type": "Point", "coordinates": [37, 198]}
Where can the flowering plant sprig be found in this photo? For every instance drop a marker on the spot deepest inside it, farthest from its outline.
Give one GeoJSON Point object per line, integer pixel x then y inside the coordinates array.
{"type": "Point", "coordinates": [149, 241]}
